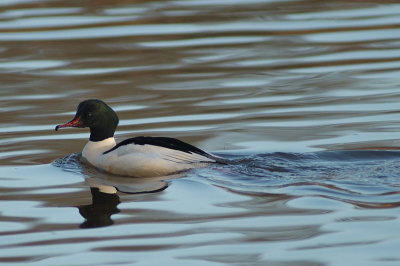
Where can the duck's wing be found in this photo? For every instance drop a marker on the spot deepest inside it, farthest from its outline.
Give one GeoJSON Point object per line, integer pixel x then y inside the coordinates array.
{"type": "Point", "coordinates": [171, 149]}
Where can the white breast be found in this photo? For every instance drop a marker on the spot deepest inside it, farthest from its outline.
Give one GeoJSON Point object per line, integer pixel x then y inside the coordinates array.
{"type": "Point", "coordinates": [140, 160]}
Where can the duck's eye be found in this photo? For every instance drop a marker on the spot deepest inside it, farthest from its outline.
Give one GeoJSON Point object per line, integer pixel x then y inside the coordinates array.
{"type": "Point", "coordinates": [89, 115]}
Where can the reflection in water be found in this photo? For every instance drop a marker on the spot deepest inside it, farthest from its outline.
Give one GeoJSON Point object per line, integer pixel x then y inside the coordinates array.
{"type": "Point", "coordinates": [99, 213]}
{"type": "Point", "coordinates": [338, 175]}
{"type": "Point", "coordinates": [239, 77]}
{"type": "Point", "coordinates": [105, 198]}
{"type": "Point", "coordinates": [111, 184]}
{"type": "Point", "coordinates": [104, 188]}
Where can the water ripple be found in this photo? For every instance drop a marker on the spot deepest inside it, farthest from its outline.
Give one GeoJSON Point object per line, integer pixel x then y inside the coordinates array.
{"type": "Point", "coordinates": [303, 95]}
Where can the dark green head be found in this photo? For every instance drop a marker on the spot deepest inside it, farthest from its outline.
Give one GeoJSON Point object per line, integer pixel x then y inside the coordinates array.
{"type": "Point", "coordinates": [98, 116]}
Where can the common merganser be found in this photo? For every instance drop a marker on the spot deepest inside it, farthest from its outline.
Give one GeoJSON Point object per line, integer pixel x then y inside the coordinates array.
{"type": "Point", "coordinates": [139, 156]}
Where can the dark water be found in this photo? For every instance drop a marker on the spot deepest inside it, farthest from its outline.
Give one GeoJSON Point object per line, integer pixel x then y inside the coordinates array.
{"type": "Point", "coordinates": [303, 95]}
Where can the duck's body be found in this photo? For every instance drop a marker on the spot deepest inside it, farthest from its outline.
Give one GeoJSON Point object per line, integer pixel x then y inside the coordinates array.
{"type": "Point", "coordinates": [142, 157]}
{"type": "Point", "coordinates": [138, 157]}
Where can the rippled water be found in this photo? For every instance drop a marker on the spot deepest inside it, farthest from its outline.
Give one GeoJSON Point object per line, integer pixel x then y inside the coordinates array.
{"type": "Point", "coordinates": [302, 94]}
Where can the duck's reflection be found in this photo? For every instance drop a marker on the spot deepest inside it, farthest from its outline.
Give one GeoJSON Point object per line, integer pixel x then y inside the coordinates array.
{"type": "Point", "coordinates": [99, 213]}
{"type": "Point", "coordinates": [105, 198]}
{"type": "Point", "coordinates": [104, 188]}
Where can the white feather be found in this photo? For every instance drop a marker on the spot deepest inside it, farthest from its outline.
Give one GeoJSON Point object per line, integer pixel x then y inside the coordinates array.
{"type": "Point", "coordinates": [141, 160]}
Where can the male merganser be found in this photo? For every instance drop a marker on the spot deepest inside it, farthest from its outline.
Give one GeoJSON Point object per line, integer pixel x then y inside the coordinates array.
{"type": "Point", "coordinates": [139, 156]}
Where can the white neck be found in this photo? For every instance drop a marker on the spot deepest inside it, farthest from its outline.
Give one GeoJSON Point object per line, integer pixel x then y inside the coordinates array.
{"type": "Point", "coordinates": [95, 148]}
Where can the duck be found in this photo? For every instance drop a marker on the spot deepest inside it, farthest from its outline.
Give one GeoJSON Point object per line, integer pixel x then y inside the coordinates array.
{"type": "Point", "coordinates": [141, 156]}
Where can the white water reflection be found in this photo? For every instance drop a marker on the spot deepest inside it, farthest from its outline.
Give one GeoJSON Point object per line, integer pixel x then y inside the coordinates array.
{"type": "Point", "coordinates": [164, 29]}
{"type": "Point", "coordinates": [17, 13]}
{"type": "Point", "coordinates": [366, 35]}
{"type": "Point", "coordinates": [205, 41]}
{"type": "Point", "coordinates": [31, 64]}
{"type": "Point", "coordinates": [181, 118]}
{"type": "Point", "coordinates": [59, 21]}
{"type": "Point", "coordinates": [366, 13]}
{"type": "Point", "coordinates": [101, 32]}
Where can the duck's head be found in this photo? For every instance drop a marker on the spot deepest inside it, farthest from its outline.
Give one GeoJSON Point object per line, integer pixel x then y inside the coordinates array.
{"type": "Point", "coordinates": [98, 116]}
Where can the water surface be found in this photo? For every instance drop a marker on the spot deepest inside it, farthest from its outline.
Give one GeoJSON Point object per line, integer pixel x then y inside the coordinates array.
{"type": "Point", "coordinates": [303, 95]}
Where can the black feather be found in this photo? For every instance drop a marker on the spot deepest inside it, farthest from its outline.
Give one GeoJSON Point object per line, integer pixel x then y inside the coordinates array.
{"type": "Point", "coordinates": [164, 142]}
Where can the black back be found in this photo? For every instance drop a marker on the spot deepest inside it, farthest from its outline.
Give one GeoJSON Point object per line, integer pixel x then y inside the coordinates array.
{"type": "Point", "coordinates": [169, 143]}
